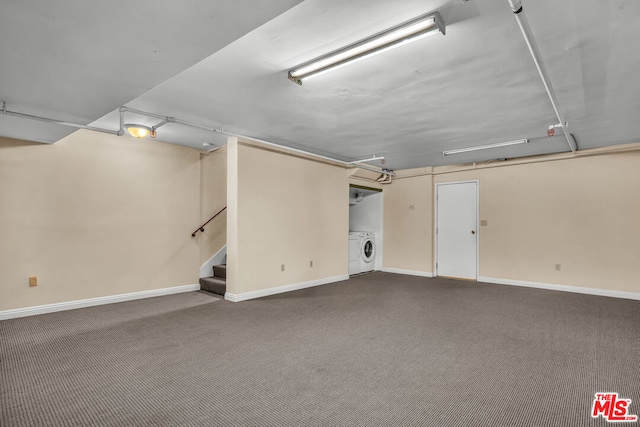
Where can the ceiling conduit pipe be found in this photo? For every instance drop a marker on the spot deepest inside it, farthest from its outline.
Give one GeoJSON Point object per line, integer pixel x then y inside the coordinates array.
{"type": "Point", "coordinates": [125, 109]}
{"type": "Point", "coordinates": [121, 130]}
{"type": "Point", "coordinates": [306, 153]}
{"type": "Point", "coordinates": [166, 119]}
{"type": "Point", "coordinates": [516, 7]}
{"type": "Point", "coordinates": [223, 132]}
{"type": "Point", "coordinates": [6, 112]}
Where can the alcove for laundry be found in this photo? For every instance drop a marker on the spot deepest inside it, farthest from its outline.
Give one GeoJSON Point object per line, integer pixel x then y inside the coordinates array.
{"type": "Point", "coordinates": [365, 219]}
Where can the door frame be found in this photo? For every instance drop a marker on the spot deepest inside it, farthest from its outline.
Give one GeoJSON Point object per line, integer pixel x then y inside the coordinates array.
{"type": "Point", "coordinates": [435, 226]}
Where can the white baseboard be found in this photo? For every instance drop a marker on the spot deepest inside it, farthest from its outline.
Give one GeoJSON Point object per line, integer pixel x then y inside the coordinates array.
{"type": "Point", "coordinates": [563, 288]}
{"type": "Point", "coordinates": [206, 269]}
{"type": "Point", "coordinates": [280, 289]}
{"type": "Point", "coordinates": [407, 272]}
{"type": "Point", "coordinates": [72, 305]}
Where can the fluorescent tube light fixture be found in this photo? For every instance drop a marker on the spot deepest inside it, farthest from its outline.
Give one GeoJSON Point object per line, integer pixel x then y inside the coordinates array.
{"type": "Point", "coordinates": [399, 35]}
{"type": "Point", "coordinates": [485, 147]}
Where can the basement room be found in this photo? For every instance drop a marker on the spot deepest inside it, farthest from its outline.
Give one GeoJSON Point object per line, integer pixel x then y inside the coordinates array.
{"type": "Point", "coordinates": [319, 213]}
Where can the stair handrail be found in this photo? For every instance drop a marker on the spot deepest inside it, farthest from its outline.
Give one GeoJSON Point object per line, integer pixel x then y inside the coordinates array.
{"type": "Point", "coordinates": [201, 228]}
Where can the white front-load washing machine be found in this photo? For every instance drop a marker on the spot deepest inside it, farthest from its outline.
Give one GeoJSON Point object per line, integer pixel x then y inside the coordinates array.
{"type": "Point", "coordinates": [362, 251]}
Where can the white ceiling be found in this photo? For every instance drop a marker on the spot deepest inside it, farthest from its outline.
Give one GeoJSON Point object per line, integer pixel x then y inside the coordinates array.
{"type": "Point", "coordinates": [202, 63]}
{"type": "Point", "coordinates": [78, 60]}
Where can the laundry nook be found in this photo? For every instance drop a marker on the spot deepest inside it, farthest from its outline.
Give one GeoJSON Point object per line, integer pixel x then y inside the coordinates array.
{"type": "Point", "coordinates": [365, 229]}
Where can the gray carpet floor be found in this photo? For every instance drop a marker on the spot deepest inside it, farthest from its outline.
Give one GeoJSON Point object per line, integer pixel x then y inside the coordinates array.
{"type": "Point", "coordinates": [377, 350]}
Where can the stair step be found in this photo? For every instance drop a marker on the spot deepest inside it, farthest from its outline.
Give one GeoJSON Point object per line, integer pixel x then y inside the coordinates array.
{"type": "Point", "coordinates": [215, 285]}
{"type": "Point", "coordinates": [220, 271]}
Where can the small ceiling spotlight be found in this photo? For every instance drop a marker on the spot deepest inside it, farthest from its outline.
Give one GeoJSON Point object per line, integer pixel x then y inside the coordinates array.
{"type": "Point", "coordinates": [140, 131]}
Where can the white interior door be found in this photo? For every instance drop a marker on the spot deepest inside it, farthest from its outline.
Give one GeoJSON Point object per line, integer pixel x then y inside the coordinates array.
{"type": "Point", "coordinates": [456, 230]}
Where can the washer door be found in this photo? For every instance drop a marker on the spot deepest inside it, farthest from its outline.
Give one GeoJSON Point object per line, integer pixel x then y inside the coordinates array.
{"type": "Point", "coordinates": [368, 250]}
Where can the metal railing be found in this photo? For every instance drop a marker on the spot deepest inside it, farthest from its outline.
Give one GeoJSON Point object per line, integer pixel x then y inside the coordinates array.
{"type": "Point", "coordinates": [201, 228]}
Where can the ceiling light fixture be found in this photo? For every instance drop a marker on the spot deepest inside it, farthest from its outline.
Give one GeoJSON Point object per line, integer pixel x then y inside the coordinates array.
{"type": "Point", "coordinates": [399, 35]}
{"type": "Point", "coordinates": [139, 131]}
{"type": "Point", "coordinates": [485, 147]}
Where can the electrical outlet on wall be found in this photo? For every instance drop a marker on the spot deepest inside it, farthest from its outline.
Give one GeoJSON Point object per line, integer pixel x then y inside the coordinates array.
{"type": "Point", "coordinates": [483, 222]}
{"type": "Point", "coordinates": [558, 267]}
{"type": "Point", "coordinates": [281, 267]}
{"type": "Point", "coordinates": [411, 207]}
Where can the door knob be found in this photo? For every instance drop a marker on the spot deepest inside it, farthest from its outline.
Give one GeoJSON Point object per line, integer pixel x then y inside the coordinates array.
{"type": "Point", "coordinates": [473, 231]}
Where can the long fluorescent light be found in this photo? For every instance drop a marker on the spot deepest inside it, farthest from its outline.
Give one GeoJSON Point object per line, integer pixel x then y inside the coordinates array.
{"type": "Point", "coordinates": [484, 147]}
{"type": "Point", "coordinates": [399, 35]}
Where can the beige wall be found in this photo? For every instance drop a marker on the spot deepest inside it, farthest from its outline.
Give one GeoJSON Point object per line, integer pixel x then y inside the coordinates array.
{"type": "Point", "coordinates": [582, 213]}
{"type": "Point", "coordinates": [285, 210]}
{"type": "Point", "coordinates": [213, 197]}
{"type": "Point", "coordinates": [232, 215]}
{"type": "Point", "coordinates": [96, 215]}
{"type": "Point", "coordinates": [408, 233]}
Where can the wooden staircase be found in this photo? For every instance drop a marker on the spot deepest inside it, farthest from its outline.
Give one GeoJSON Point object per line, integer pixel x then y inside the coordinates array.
{"type": "Point", "coordinates": [217, 283]}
